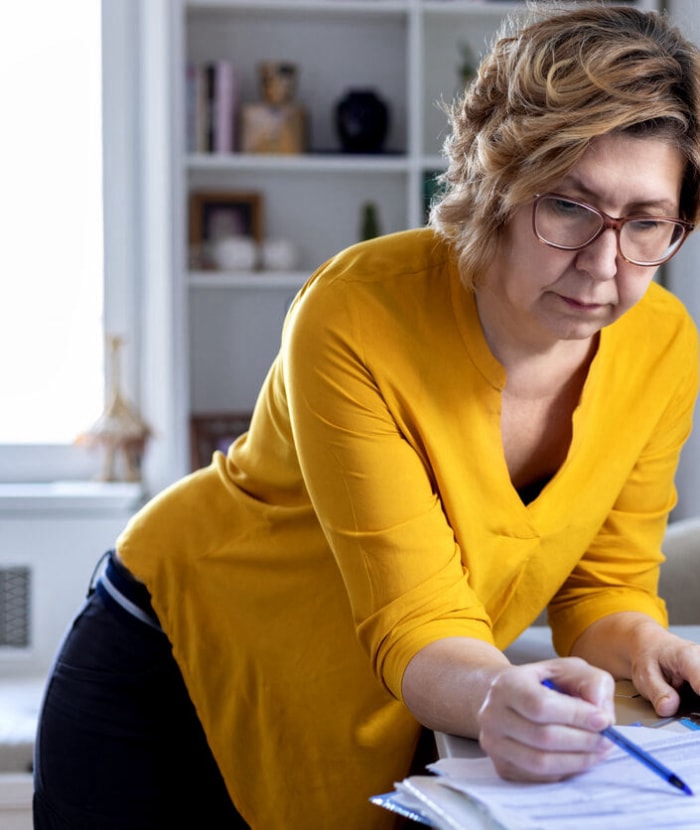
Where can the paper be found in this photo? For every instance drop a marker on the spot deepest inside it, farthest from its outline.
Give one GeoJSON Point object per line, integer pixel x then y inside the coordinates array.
{"type": "Point", "coordinates": [617, 794]}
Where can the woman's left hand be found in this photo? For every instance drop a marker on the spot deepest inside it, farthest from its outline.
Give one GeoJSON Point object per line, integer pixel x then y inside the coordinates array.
{"type": "Point", "coordinates": [662, 664]}
{"type": "Point", "coordinates": [658, 662]}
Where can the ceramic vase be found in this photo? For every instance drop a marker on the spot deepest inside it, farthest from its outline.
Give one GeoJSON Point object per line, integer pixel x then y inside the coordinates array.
{"type": "Point", "coordinates": [362, 121]}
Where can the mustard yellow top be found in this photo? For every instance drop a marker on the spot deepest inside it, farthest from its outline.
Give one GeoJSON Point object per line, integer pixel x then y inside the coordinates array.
{"type": "Point", "coordinates": [369, 512]}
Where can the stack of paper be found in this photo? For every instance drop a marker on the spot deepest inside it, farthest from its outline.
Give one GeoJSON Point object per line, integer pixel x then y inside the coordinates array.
{"type": "Point", "coordinates": [617, 794]}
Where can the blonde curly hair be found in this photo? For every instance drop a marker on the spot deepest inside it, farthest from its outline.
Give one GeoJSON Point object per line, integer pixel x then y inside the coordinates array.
{"type": "Point", "coordinates": [556, 78]}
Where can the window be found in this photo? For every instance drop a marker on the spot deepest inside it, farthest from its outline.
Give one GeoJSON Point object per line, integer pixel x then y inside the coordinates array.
{"type": "Point", "coordinates": [54, 302]}
{"type": "Point", "coordinates": [51, 214]}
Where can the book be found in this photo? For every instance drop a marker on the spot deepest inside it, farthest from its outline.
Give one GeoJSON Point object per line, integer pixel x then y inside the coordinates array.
{"type": "Point", "coordinates": [224, 107]}
{"type": "Point", "coordinates": [211, 106]}
{"type": "Point", "coordinates": [194, 108]}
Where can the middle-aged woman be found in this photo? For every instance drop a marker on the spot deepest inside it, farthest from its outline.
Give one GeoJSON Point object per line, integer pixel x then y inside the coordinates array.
{"type": "Point", "coordinates": [464, 424]}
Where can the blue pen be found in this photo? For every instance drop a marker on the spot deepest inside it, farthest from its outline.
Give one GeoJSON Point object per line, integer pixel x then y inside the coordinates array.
{"type": "Point", "coordinates": [637, 752]}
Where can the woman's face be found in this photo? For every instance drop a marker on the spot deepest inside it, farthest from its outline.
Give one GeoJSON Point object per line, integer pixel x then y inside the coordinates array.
{"type": "Point", "coordinates": [543, 294]}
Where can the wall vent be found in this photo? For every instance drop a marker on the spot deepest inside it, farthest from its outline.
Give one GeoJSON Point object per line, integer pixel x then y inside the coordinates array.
{"type": "Point", "coordinates": [15, 594]}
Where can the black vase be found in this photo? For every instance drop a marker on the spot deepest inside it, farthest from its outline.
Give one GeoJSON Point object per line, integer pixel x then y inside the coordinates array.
{"type": "Point", "coordinates": [362, 121]}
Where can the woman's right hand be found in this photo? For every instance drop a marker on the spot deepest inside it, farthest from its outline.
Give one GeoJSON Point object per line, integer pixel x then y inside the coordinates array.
{"type": "Point", "coordinates": [533, 733]}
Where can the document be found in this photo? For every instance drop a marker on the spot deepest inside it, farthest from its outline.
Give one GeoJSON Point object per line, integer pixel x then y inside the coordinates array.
{"type": "Point", "coordinates": [617, 794]}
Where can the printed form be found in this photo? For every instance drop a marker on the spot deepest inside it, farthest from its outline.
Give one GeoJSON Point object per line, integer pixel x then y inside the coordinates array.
{"type": "Point", "coordinates": [619, 793]}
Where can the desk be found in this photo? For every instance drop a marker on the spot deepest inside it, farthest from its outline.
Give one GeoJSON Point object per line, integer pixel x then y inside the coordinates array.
{"type": "Point", "coordinates": [536, 644]}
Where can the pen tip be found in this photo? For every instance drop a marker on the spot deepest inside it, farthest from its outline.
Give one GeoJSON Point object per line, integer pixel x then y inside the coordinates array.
{"type": "Point", "coordinates": [676, 781]}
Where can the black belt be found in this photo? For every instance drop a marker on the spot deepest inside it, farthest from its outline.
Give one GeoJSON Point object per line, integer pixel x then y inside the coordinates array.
{"type": "Point", "coordinates": [119, 588]}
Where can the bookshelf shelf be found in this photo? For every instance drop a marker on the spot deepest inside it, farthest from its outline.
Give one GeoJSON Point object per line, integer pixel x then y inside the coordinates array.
{"type": "Point", "coordinates": [256, 280]}
{"type": "Point", "coordinates": [306, 163]}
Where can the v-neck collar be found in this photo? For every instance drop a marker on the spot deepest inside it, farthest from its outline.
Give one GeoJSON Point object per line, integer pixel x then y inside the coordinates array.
{"type": "Point", "coordinates": [493, 372]}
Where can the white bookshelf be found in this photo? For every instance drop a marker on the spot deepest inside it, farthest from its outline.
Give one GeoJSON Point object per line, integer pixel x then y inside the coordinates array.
{"type": "Point", "coordinates": [226, 326]}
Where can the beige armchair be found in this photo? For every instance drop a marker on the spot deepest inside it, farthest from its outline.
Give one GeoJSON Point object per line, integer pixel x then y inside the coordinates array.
{"type": "Point", "coordinates": [680, 574]}
{"type": "Point", "coordinates": [679, 584]}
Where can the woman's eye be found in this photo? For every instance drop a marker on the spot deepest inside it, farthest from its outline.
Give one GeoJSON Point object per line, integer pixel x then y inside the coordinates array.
{"type": "Point", "coordinates": [641, 225]}
{"type": "Point", "coordinates": [565, 207]}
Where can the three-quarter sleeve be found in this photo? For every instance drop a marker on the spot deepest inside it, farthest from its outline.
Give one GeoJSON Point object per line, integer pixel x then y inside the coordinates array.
{"type": "Point", "coordinates": [620, 567]}
{"type": "Point", "coordinates": [375, 497]}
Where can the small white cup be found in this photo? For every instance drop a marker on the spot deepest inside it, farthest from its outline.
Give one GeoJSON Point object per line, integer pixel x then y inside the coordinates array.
{"type": "Point", "coordinates": [235, 253]}
{"type": "Point", "coordinates": [279, 255]}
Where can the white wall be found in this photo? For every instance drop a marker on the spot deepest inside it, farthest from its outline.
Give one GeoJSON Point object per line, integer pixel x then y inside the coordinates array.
{"type": "Point", "coordinates": [684, 281]}
{"type": "Point", "coordinates": [61, 545]}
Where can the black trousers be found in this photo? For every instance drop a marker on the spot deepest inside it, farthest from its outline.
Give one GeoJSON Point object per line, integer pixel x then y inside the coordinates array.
{"type": "Point", "coordinates": [119, 745]}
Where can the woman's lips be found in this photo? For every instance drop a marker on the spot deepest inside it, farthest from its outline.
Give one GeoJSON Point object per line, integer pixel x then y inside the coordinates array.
{"type": "Point", "coordinates": [581, 304]}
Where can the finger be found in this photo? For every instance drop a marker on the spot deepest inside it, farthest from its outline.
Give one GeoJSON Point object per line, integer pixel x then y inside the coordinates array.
{"type": "Point", "coordinates": [552, 736]}
{"type": "Point", "coordinates": [590, 694]}
{"type": "Point", "coordinates": [579, 679]}
{"type": "Point", "coordinates": [520, 761]}
{"type": "Point", "coordinates": [661, 694]}
{"type": "Point", "coordinates": [659, 681]}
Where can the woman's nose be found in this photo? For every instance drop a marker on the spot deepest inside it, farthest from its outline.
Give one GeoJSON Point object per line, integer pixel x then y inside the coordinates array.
{"type": "Point", "coordinates": [600, 258]}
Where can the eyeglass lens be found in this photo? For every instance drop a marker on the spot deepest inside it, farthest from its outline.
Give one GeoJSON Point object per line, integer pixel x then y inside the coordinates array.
{"type": "Point", "coordinates": [569, 224]}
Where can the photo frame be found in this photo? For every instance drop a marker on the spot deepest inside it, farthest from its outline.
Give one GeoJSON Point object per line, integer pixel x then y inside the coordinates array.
{"type": "Point", "coordinates": [215, 215]}
{"type": "Point", "coordinates": [214, 431]}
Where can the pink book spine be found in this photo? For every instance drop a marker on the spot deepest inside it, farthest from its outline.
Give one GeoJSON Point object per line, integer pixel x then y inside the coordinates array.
{"type": "Point", "coordinates": [225, 107]}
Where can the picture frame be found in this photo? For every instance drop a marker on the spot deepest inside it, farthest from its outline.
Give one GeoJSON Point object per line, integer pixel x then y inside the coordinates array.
{"type": "Point", "coordinates": [214, 431]}
{"type": "Point", "coordinates": [216, 215]}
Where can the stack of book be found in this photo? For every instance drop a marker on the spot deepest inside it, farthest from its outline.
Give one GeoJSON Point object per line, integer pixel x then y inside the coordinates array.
{"type": "Point", "coordinates": [212, 102]}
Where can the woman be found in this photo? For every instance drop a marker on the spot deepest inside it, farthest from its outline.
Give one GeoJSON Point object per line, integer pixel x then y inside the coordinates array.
{"type": "Point", "coordinates": [464, 424]}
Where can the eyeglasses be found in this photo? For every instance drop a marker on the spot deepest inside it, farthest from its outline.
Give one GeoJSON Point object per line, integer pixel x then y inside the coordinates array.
{"type": "Point", "coordinates": [570, 225]}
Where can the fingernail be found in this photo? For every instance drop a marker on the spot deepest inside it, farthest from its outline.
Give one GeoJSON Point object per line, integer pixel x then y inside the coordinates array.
{"type": "Point", "coordinates": [661, 702]}
{"type": "Point", "coordinates": [599, 721]}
